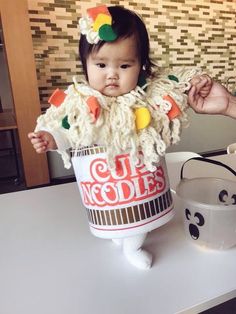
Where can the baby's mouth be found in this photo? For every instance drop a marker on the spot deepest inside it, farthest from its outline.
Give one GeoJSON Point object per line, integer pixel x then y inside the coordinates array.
{"type": "Point", "coordinates": [112, 85]}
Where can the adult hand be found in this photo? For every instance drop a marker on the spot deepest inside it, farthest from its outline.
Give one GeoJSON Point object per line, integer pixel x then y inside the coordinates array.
{"type": "Point", "coordinates": [207, 96]}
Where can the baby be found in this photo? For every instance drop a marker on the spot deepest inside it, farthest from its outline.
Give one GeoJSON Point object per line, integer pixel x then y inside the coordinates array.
{"type": "Point", "coordinates": [126, 105]}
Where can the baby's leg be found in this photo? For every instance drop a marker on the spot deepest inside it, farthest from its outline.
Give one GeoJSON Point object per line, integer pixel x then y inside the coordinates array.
{"type": "Point", "coordinates": [132, 248]}
{"type": "Point", "coordinates": [117, 241]}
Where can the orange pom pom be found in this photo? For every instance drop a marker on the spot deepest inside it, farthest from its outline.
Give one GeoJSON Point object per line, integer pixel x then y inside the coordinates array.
{"type": "Point", "coordinates": [94, 107]}
{"type": "Point", "coordinates": [175, 110]}
{"type": "Point", "coordinates": [93, 12]}
{"type": "Point", "coordinates": [57, 97]}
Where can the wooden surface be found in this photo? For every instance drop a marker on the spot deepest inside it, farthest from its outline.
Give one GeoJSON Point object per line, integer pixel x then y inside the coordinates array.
{"type": "Point", "coordinates": [7, 121]}
{"type": "Point", "coordinates": [22, 72]}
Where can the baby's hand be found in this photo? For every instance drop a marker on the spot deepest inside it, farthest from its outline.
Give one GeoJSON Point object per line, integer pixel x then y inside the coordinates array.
{"type": "Point", "coordinates": [42, 141]}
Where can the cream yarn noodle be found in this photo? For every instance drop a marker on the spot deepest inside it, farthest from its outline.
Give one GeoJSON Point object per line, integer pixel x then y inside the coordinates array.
{"type": "Point", "coordinates": [115, 127]}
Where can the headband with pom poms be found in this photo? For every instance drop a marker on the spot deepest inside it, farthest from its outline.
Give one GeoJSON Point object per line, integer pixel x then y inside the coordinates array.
{"type": "Point", "coordinates": [97, 25]}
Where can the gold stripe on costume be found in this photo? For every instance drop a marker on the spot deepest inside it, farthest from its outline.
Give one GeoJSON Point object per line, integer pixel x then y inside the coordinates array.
{"type": "Point", "coordinates": [132, 214]}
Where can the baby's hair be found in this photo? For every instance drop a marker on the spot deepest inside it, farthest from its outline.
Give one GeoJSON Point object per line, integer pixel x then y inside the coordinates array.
{"type": "Point", "coordinates": [125, 23]}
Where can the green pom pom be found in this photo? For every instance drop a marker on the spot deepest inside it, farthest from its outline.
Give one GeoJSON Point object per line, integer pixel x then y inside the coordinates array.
{"type": "Point", "coordinates": [106, 33]}
{"type": "Point", "coordinates": [173, 78]}
{"type": "Point", "coordinates": [65, 123]}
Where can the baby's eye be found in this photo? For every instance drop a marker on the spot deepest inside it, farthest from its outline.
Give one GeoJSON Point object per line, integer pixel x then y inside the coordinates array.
{"type": "Point", "coordinates": [101, 65]}
{"type": "Point", "coordinates": [125, 66]}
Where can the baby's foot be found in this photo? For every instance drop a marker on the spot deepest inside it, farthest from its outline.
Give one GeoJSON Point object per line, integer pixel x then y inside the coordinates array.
{"type": "Point", "coordinates": [140, 258]}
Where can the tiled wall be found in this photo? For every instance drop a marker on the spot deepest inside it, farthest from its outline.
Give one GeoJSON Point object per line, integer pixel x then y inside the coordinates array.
{"type": "Point", "coordinates": [182, 32]}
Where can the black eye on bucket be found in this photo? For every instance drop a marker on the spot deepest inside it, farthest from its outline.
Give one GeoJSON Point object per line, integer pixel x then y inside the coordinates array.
{"type": "Point", "coordinates": [234, 199]}
{"type": "Point", "coordinates": [222, 194]}
{"type": "Point", "coordinates": [187, 213]}
{"type": "Point", "coordinates": [200, 218]}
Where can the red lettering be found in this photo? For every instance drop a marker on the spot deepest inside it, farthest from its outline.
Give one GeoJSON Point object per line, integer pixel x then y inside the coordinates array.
{"type": "Point", "coordinates": [127, 184]}
{"type": "Point", "coordinates": [122, 192]}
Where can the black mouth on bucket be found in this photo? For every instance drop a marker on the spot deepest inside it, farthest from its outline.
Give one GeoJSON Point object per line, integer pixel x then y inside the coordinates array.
{"type": "Point", "coordinates": [194, 231]}
{"type": "Point", "coordinates": [199, 221]}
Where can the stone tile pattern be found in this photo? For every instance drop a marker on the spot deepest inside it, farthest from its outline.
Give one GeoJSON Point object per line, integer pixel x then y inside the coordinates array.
{"type": "Point", "coordinates": [182, 33]}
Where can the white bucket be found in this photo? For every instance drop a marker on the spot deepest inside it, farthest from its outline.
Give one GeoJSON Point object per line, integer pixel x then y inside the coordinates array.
{"type": "Point", "coordinates": [126, 202]}
{"type": "Point", "coordinates": [208, 208]}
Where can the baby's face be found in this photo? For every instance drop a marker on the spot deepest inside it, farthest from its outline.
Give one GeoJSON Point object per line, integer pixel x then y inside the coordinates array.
{"type": "Point", "coordinates": [115, 68]}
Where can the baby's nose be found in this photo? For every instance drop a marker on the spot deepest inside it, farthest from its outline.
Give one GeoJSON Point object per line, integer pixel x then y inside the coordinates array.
{"type": "Point", "coordinates": [112, 73]}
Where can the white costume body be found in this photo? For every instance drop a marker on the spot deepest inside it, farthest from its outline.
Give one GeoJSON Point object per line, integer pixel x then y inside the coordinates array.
{"type": "Point", "coordinates": [115, 129]}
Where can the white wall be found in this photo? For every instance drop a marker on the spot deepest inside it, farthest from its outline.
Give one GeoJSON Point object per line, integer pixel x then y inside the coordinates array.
{"type": "Point", "coordinates": [56, 167]}
{"type": "Point", "coordinates": [206, 133]}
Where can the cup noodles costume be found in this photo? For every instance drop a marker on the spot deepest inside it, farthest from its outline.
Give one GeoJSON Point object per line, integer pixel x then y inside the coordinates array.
{"type": "Point", "coordinates": [124, 202]}
{"type": "Point", "coordinates": [120, 165]}
{"type": "Point", "coordinates": [117, 145]}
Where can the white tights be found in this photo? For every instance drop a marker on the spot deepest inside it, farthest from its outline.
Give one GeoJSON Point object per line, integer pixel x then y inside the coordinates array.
{"type": "Point", "coordinates": [132, 249]}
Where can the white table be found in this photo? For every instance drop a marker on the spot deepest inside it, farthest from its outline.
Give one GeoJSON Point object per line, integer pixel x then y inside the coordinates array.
{"type": "Point", "coordinates": [51, 264]}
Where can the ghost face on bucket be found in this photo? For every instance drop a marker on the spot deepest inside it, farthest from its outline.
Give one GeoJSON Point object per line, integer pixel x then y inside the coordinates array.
{"type": "Point", "coordinates": [196, 220]}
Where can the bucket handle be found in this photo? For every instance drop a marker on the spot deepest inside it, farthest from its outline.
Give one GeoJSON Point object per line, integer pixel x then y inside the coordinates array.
{"type": "Point", "coordinates": [211, 161]}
